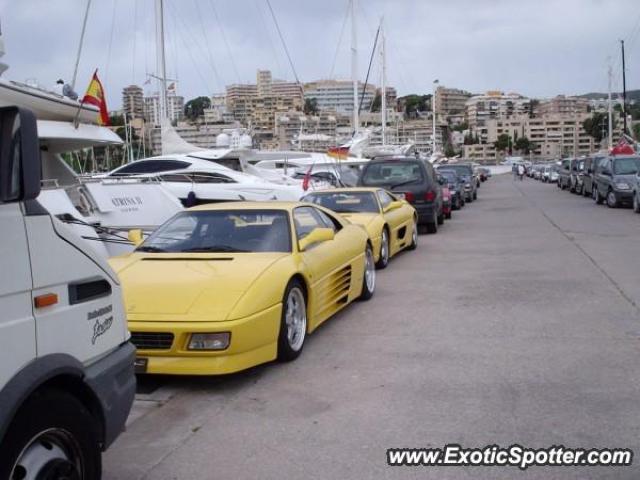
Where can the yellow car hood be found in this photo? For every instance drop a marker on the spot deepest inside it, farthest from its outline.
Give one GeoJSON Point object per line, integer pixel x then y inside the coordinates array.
{"type": "Point", "coordinates": [188, 286]}
{"type": "Point", "coordinates": [363, 219]}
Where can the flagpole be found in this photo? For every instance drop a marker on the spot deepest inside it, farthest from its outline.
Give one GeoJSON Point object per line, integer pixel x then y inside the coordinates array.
{"type": "Point", "coordinates": [76, 122]}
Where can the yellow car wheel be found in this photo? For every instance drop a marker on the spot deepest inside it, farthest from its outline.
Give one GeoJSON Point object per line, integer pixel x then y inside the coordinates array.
{"type": "Point", "coordinates": [414, 236]}
{"type": "Point", "coordinates": [293, 326]}
{"type": "Point", "coordinates": [369, 277]}
{"type": "Point", "coordinates": [383, 259]}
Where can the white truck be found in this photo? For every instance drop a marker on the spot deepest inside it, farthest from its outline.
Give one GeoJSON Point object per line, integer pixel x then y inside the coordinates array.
{"type": "Point", "coordinates": [67, 381]}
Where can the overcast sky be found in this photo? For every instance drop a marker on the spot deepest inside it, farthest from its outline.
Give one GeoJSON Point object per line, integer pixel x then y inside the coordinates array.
{"type": "Point", "coordinates": [538, 48]}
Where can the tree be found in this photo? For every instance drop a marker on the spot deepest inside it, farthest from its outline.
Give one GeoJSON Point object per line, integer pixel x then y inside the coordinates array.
{"type": "Point", "coordinates": [195, 108]}
{"type": "Point", "coordinates": [523, 144]}
{"type": "Point", "coordinates": [502, 143]}
{"type": "Point", "coordinates": [461, 128]}
{"type": "Point", "coordinates": [414, 104]}
{"type": "Point", "coordinates": [596, 126]}
{"type": "Point", "coordinates": [376, 105]}
{"type": "Point", "coordinates": [448, 150]}
{"type": "Point", "coordinates": [310, 106]}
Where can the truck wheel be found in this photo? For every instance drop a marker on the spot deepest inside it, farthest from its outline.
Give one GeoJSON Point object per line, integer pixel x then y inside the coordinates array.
{"type": "Point", "coordinates": [52, 436]}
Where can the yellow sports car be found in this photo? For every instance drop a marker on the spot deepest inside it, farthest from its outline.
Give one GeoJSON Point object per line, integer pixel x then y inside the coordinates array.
{"type": "Point", "coordinates": [392, 224]}
{"type": "Point", "coordinates": [223, 287]}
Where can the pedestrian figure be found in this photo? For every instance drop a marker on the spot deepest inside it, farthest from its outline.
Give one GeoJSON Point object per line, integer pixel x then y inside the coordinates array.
{"type": "Point", "coordinates": [521, 171]}
{"type": "Point", "coordinates": [514, 171]}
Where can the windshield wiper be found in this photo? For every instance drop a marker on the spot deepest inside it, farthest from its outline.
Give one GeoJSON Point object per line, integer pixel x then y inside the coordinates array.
{"type": "Point", "coordinates": [407, 182]}
{"type": "Point", "coordinates": [215, 248]}
{"type": "Point", "coordinates": [149, 248]}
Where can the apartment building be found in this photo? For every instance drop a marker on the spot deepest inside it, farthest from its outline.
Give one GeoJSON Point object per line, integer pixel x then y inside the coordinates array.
{"type": "Point", "coordinates": [133, 102]}
{"type": "Point", "coordinates": [495, 105]}
{"type": "Point", "coordinates": [337, 95]}
{"type": "Point", "coordinates": [175, 107]}
{"type": "Point", "coordinates": [450, 101]}
{"type": "Point", "coordinates": [562, 105]}
{"type": "Point", "coordinates": [256, 104]}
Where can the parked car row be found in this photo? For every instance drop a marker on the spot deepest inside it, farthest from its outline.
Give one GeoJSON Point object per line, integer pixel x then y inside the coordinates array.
{"type": "Point", "coordinates": [223, 287]}
{"type": "Point", "coordinates": [610, 179]}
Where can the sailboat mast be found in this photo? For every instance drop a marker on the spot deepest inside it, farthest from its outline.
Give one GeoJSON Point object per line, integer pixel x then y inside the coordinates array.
{"type": "Point", "coordinates": [624, 92]}
{"type": "Point", "coordinates": [354, 67]}
{"type": "Point", "coordinates": [383, 97]}
{"type": "Point", "coordinates": [160, 60]}
{"type": "Point", "coordinates": [609, 109]}
{"type": "Point", "coordinates": [84, 27]}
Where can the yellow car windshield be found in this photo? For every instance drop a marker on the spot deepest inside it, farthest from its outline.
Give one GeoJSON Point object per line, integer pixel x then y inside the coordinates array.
{"type": "Point", "coordinates": [345, 202]}
{"type": "Point", "coordinates": [222, 231]}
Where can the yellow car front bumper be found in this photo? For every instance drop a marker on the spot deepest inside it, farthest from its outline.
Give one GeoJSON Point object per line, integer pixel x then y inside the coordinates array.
{"type": "Point", "coordinates": [254, 340]}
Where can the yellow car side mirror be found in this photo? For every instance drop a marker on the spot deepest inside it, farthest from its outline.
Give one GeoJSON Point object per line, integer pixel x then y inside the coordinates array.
{"type": "Point", "coordinates": [393, 205]}
{"type": "Point", "coordinates": [135, 236]}
{"type": "Point", "coordinates": [316, 235]}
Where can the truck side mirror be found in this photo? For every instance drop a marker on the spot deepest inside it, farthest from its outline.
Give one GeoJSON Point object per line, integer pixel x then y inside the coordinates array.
{"type": "Point", "coordinates": [20, 170]}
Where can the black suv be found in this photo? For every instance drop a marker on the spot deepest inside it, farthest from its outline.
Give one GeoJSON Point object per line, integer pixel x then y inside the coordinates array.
{"type": "Point", "coordinates": [411, 178]}
{"type": "Point", "coordinates": [564, 174]}
{"type": "Point", "coordinates": [455, 185]}
{"type": "Point", "coordinates": [577, 165]}
{"type": "Point", "coordinates": [465, 171]}
{"type": "Point", "coordinates": [614, 178]}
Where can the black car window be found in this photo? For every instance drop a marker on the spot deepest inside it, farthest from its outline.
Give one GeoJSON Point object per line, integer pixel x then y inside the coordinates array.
{"type": "Point", "coordinates": [462, 170]}
{"type": "Point", "coordinates": [626, 166]}
{"type": "Point", "coordinates": [151, 166]}
{"type": "Point", "coordinates": [328, 221]}
{"type": "Point", "coordinates": [385, 199]}
{"type": "Point", "coordinates": [392, 173]}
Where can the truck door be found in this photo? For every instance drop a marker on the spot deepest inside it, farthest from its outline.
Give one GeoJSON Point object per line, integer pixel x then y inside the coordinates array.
{"type": "Point", "coordinates": [17, 324]}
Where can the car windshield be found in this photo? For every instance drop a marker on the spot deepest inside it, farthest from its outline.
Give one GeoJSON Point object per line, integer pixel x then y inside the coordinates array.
{"type": "Point", "coordinates": [393, 173]}
{"type": "Point", "coordinates": [346, 202]}
{"type": "Point", "coordinates": [626, 166]}
{"type": "Point", "coordinates": [449, 175]}
{"type": "Point", "coordinates": [461, 169]}
{"type": "Point", "coordinates": [222, 231]}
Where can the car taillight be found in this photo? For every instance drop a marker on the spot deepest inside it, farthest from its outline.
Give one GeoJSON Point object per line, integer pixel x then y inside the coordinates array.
{"type": "Point", "coordinates": [430, 196]}
{"type": "Point", "coordinates": [409, 197]}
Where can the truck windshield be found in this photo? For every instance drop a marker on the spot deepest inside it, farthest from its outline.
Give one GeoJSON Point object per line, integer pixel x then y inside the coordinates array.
{"type": "Point", "coordinates": [222, 231]}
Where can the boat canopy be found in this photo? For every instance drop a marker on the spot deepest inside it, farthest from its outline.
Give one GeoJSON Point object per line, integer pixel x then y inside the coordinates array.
{"type": "Point", "coordinates": [61, 137]}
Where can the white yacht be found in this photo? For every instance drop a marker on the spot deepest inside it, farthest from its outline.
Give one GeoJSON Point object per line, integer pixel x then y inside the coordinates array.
{"type": "Point", "coordinates": [197, 178]}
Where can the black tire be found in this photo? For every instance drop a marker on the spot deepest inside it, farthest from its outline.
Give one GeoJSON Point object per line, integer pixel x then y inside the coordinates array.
{"type": "Point", "coordinates": [441, 218]}
{"type": "Point", "coordinates": [475, 195]}
{"type": "Point", "coordinates": [470, 198]}
{"type": "Point", "coordinates": [584, 191]}
{"type": "Point", "coordinates": [414, 236]}
{"type": "Point", "coordinates": [432, 226]}
{"type": "Point", "coordinates": [286, 350]}
{"type": "Point", "coordinates": [383, 262]}
{"type": "Point", "coordinates": [612, 202]}
{"type": "Point", "coordinates": [52, 421]}
{"type": "Point", "coordinates": [636, 203]}
{"type": "Point", "coordinates": [597, 197]}
{"type": "Point", "coordinates": [448, 215]}
{"type": "Point", "coordinates": [367, 290]}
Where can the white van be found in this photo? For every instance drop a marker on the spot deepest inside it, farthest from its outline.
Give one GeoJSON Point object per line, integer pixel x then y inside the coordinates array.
{"type": "Point", "coordinates": [66, 366]}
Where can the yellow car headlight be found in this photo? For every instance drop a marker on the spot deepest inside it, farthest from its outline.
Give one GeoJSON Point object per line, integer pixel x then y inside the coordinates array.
{"type": "Point", "coordinates": [209, 341]}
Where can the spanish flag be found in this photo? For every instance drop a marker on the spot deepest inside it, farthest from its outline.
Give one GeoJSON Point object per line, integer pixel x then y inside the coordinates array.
{"type": "Point", "coordinates": [95, 96]}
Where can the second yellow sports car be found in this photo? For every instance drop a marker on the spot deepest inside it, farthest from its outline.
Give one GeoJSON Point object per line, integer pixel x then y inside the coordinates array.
{"type": "Point", "coordinates": [392, 224]}
{"type": "Point", "coordinates": [223, 287]}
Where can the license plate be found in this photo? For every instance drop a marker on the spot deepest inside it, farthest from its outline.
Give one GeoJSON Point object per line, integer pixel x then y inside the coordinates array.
{"type": "Point", "coordinates": [140, 365]}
